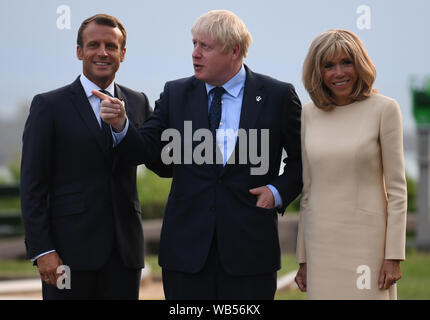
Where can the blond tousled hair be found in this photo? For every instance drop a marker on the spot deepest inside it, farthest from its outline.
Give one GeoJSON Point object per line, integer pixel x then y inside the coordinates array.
{"type": "Point", "coordinates": [226, 28]}
{"type": "Point", "coordinates": [325, 47]}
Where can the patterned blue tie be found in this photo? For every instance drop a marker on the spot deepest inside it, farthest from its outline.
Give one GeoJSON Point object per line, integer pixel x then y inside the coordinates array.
{"type": "Point", "coordinates": [214, 119]}
{"type": "Point", "coordinates": [215, 110]}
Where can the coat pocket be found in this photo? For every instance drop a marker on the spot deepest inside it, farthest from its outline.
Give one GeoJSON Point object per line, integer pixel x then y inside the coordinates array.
{"type": "Point", "coordinates": [67, 200]}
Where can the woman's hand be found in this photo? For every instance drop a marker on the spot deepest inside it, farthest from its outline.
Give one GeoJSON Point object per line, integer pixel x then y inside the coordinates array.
{"type": "Point", "coordinates": [301, 277]}
{"type": "Point", "coordinates": [389, 274]}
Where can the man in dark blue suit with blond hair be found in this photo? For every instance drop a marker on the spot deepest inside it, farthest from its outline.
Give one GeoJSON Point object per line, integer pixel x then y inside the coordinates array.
{"type": "Point", "coordinates": [219, 238]}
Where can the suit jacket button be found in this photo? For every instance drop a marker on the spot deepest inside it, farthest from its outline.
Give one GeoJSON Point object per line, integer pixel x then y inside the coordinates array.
{"type": "Point", "coordinates": [212, 208]}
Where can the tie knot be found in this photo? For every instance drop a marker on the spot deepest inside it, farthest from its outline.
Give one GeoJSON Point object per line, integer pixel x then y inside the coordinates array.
{"type": "Point", "coordinates": [106, 92]}
{"type": "Point", "coordinates": [218, 91]}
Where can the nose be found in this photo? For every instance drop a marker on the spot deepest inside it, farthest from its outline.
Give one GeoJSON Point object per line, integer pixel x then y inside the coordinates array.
{"type": "Point", "coordinates": [196, 51]}
{"type": "Point", "coordinates": [102, 51]}
{"type": "Point", "coordinates": [339, 72]}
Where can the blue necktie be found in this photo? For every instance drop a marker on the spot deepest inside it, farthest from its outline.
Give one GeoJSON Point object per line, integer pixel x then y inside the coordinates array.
{"type": "Point", "coordinates": [215, 110]}
{"type": "Point", "coordinates": [215, 118]}
{"type": "Point", "coordinates": [106, 132]}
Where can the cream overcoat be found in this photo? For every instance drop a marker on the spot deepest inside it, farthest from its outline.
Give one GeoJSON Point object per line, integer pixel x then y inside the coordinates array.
{"type": "Point", "coordinates": [353, 208]}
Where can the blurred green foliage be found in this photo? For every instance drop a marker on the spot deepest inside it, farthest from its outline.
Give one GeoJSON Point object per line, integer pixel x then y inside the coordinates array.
{"type": "Point", "coordinates": [295, 205]}
{"type": "Point", "coordinates": [15, 167]}
{"type": "Point", "coordinates": [153, 193]}
{"type": "Point", "coordinates": [412, 194]}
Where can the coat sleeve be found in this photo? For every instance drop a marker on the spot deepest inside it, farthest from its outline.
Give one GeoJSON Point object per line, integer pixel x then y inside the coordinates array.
{"type": "Point", "coordinates": [289, 184]}
{"type": "Point", "coordinates": [301, 246]}
{"type": "Point", "coordinates": [143, 145]}
{"type": "Point", "coordinates": [36, 165]}
{"type": "Point", "coordinates": [156, 165]}
{"type": "Point", "coordinates": [391, 139]}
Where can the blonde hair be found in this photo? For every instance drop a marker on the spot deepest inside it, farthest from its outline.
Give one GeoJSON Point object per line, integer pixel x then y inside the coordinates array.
{"type": "Point", "coordinates": [226, 28]}
{"type": "Point", "coordinates": [323, 48]}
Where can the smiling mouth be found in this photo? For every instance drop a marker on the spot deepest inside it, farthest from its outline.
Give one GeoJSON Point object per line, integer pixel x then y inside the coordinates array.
{"type": "Point", "coordinates": [102, 64]}
{"type": "Point", "coordinates": [342, 83]}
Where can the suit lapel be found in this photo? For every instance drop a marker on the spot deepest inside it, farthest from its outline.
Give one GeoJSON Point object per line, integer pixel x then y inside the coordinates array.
{"type": "Point", "coordinates": [253, 102]}
{"type": "Point", "coordinates": [197, 106]}
{"type": "Point", "coordinates": [120, 95]}
{"type": "Point", "coordinates": [197, 110]}
{"type": "Point", "coordinates": [83, 107]}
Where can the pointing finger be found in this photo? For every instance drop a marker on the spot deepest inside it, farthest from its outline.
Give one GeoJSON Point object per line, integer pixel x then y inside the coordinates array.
{"type": "Point", "coordinates": [100, 95]}
{"type": "Point", "coordinates": [104, 97]}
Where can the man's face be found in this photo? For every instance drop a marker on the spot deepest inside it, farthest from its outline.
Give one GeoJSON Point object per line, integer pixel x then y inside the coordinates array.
{"type": "Point", "coordinates": [211, 65]}
{"type": "Point", "coordinates": [101, 53]}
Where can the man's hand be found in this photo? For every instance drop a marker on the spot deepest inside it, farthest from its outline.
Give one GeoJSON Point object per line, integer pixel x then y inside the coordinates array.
{"type": "Point", "coordinates": [112, 111]}
{"type": "Point", "coordinates": [389, 274]}
{"type": "Point", "coordinates": [265, 197]}
{"type": "Point", "coordinates": [300, 278]}
{"type": "Point", "coordinates": [48, 265]}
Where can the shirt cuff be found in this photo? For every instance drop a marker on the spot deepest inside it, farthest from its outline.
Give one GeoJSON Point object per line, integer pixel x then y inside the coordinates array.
{"type": "Point", "coordinates": [42, 254]}
{"type": "Point", "coordinates": [119, 136]}
{"type": "Point", "coordinates": [276, 196]}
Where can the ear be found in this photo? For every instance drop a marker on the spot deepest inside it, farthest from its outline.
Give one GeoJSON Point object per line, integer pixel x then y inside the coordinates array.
{"type": "Point", "coordinates": [79, 52]}
{"type": "Point", "coordinates": [236, 51]}
{"type": "Point", "coordinates": [122, 54]}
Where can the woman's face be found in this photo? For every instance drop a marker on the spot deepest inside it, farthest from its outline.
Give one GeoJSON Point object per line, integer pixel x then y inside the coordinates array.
{"type": "Point", "coordinates": [340, 77]}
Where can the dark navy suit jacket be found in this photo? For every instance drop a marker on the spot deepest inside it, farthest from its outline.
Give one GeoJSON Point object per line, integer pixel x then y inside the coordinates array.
{"type": "Point", "coordinates": [77, 195]}
{"type": "Point", "coordinates": [201, 201]}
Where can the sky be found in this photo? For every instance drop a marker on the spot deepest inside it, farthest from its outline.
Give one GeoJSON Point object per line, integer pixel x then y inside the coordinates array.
{"type": "Point", "coordinates": [40, 52]}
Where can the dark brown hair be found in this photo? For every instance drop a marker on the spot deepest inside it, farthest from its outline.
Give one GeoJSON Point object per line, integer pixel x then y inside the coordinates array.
{"type": "Point", "coordinates": [104, 20]}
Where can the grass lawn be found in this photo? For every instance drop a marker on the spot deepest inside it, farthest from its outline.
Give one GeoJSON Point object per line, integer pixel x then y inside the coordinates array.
{"type": "Point", "coordinates": [414, 285]}
{"type": "Point", "coordinates": [13, 269]}
{"type": "Point", "coordinates": [415, 282]}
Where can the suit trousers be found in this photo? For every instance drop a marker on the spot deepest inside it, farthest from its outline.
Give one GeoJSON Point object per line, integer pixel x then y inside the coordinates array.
{"type": "Point", "coordinates": [112, 282]}
{"type": "Point", "coordinates": [214, 283]}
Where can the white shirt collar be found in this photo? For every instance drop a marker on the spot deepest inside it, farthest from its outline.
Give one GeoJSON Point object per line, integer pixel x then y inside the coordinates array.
{"type": "Point", "coordinates": [88, 86]}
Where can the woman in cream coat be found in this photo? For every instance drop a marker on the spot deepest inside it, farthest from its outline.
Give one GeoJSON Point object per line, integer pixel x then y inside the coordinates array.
{"type": "Point", "coordinates": [352, 225]}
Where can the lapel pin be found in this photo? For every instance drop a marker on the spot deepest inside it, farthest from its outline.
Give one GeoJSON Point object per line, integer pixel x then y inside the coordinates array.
{"type": "Point", "coordinates": [258, 98]}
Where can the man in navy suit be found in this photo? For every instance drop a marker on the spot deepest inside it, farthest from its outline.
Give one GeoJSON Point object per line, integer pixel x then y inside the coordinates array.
{"type": "Point", "coordinates": [79, 199]}
{"type": "Point", "coordinates": [219, 238]}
